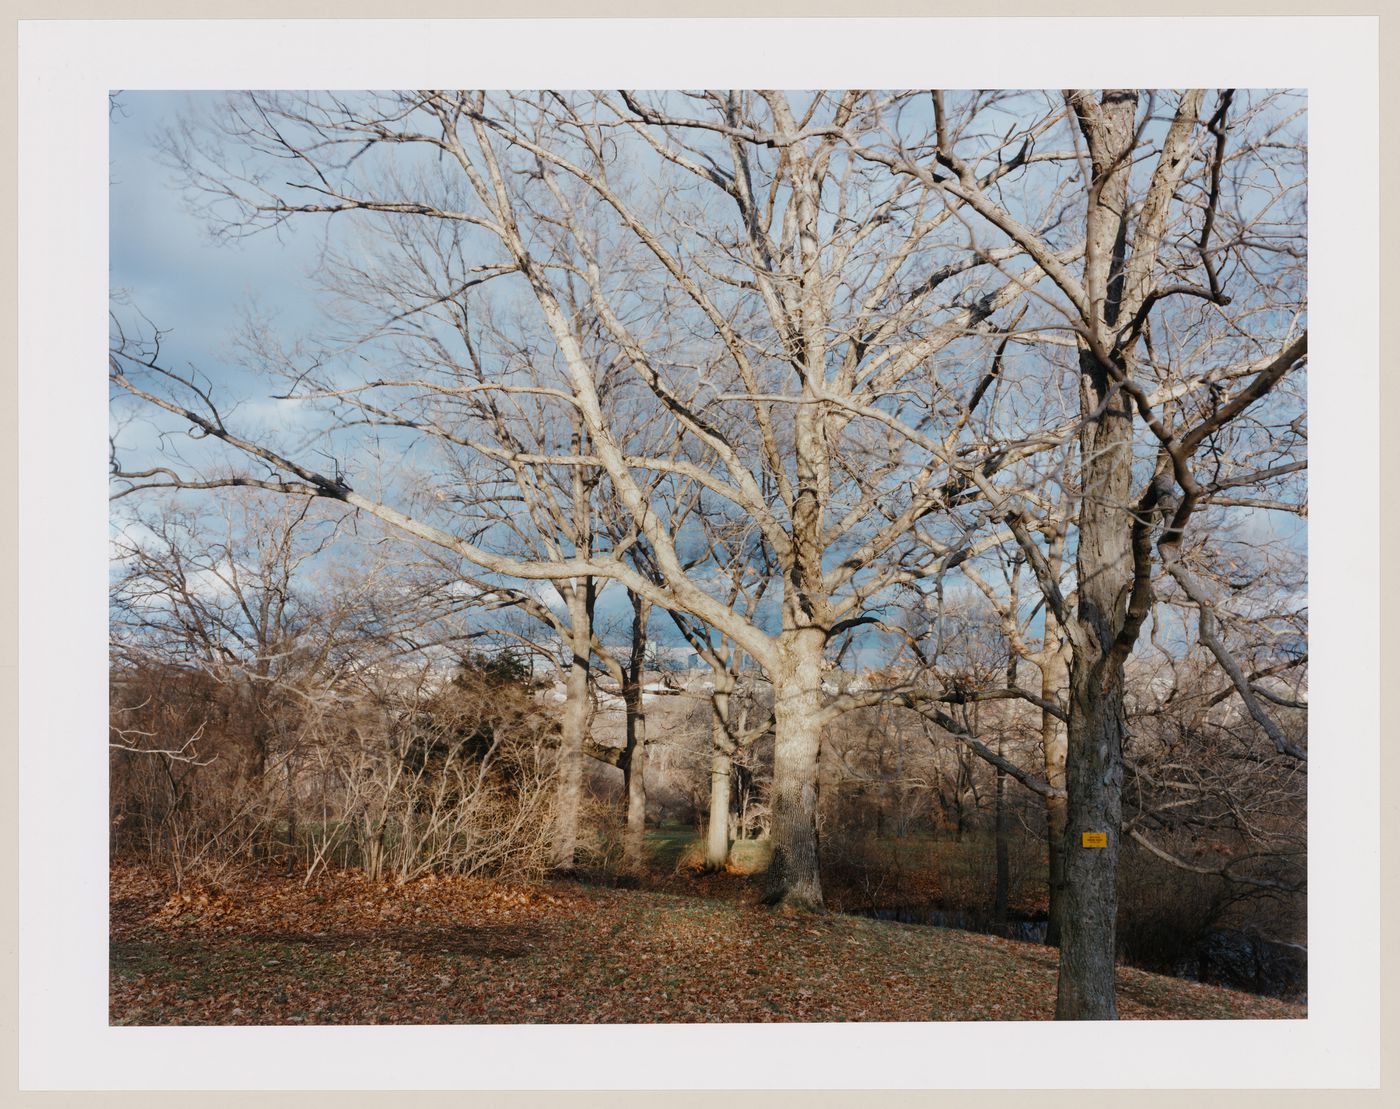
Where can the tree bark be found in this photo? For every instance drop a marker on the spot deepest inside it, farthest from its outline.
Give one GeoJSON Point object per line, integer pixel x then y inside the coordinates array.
{"type": "Point", "coordinates": [721, 774]}
{"type": "Point", "coordinates": [578, 596]}
{"type": "Point", "coordinates": [1104, 576]}
{"type": "Point", "coordinates": [635, 761]}
{"type": "Point", "coordinates": [793, 877]}
{"type": "Point", "coordinates": [1053, 675]}
{"type": "Point", "coordinates": [573, 729]}
{"type": "Point", "coordinates": [1090, 904]}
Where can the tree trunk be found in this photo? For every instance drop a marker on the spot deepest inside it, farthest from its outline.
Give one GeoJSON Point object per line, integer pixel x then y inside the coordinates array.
{"type": "Point", "coordinates": [578, 596]}
{"type": "Point", "coordinates": [1052, 736]}
{"type": "Point", "coordinates": [1090, 903]}
{"type": "Point", "coordinates": [960, 797]}
{"type": "Point", "coordinates": [634, 766]}
{"type": "Point", "coordinates": [721, 772]}
{"type": "Point", "coordinates": [634, 774]}
{"type": "Point", "coordinates": [1003, 881]}
{"type": "Point", "coordinates": [1104, 576]}
{"type": "Point", "coordinates": [573, 732]}
{"type": "Point", "coordinates": [793, 877]}
{"type": "Point", "coordinates": [744, 782]}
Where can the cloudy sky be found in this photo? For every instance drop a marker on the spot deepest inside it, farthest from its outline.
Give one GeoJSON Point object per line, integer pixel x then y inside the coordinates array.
{"type": "Point", "coordinates": [162, 256]}
{"type": "Point", "coordinates": [165, 265]}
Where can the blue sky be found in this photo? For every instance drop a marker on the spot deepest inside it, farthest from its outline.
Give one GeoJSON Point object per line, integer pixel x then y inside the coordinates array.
{"type": "Point", "coordinates": [161, 254]}
{"type": "Point", "coordinates": [166, 266]}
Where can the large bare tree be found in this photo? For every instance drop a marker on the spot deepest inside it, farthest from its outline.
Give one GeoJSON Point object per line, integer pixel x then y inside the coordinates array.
{"type": "Point", "coordinates": [775, 299]}
{"type": "Point", "coordinates": [1187, 316]}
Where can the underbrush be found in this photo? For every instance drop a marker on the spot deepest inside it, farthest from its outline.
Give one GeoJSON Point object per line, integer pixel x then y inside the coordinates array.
{"type": "Point", "coordinates": [1170, 920]}
{"type": "Point", "coordinates": [864, 873]}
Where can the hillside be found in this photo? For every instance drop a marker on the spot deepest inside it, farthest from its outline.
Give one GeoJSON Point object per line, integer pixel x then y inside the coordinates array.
{"type": "Point", "coordinates": [347, 951]}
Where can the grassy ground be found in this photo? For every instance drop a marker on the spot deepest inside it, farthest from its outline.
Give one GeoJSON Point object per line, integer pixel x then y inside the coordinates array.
{"type": "Point", "coordinates": [347, 951]}
{"type": "Point", "coordinates": [677, 847]}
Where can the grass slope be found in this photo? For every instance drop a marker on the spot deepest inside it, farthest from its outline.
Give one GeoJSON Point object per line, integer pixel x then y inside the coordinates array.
{"type": "Point", "coordinates": [465, 951]}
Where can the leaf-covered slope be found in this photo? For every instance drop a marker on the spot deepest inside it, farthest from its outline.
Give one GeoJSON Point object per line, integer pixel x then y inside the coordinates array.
{"type": "Point", "coordinates": [345, 951]}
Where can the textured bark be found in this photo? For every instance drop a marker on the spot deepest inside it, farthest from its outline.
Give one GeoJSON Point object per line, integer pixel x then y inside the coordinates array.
{"type": "Point", "coordinates": [1056, 819]}
{"type": "Point", "coordinates": [1104, 576]}
{"type": "Point", "coordinates": [721, 773]}
{"type": "Point", "coordinates": [793, 877]}
{"type": "Point", "coordinates": [1053, 676]}
{"type": "Point", "coordinates": [1095, 781]}
{"type": "Point", "coordinates": [573, 732]}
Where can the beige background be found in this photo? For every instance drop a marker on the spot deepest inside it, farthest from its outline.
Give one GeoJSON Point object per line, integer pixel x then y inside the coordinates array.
{"type": "Point", "coordinates": [9, 583]}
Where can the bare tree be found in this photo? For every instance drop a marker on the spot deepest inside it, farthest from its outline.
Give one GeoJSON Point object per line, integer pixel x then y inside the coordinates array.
{"type": "Point", "coordinates": [1187, 319]}
{"type": "Point", "coordinates": [801, 291]}
{"type": "Point", "coordinates": [217, 635]}
{"type": "Point", "coordinates": [737, 564]}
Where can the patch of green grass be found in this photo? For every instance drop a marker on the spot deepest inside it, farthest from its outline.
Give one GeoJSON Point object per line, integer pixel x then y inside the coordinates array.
{"type": "Point", "coordinates": [670, 846]}
{"type": "Point", "coordinates": [667, 843]}
{"type": "Point", "coordinates": [139, 960]}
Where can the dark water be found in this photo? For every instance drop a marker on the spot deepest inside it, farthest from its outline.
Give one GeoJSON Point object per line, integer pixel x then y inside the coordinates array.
{"type": "Point", "coordinates": [1242, 961]}
{"type": "Point", "coordinates": [1220, 957]}
{"type": "Point", "coordinates": [1029, 929]}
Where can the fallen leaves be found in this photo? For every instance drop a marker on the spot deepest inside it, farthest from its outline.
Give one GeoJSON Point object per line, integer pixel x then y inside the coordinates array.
{"type": "Point", "coordinates": [450, 950]}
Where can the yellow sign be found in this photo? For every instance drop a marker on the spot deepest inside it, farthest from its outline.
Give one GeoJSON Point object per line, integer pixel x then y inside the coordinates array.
{"type": "Point", "coordinates": [1095, 839]}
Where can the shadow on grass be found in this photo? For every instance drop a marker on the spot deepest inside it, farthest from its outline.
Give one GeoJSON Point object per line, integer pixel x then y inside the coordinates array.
{"type": "Point", "coordinates": [178, 954]}
{"type": "Point", "coordinates": [489, 941]}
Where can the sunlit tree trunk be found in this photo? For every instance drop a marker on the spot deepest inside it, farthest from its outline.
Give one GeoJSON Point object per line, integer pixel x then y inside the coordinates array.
{"type": "Point", "coordinates": [573, 728]}
{"type": "Point", "coordinates": [721, 775]}
{"type": "Point", "coordinates": [793, 877]}
{"type": "Point", "coordinates": [1053, 675]}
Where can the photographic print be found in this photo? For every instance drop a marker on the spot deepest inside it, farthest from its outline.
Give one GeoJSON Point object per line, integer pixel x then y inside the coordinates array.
{"type": "Point", "coordinates": [708, 556]}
